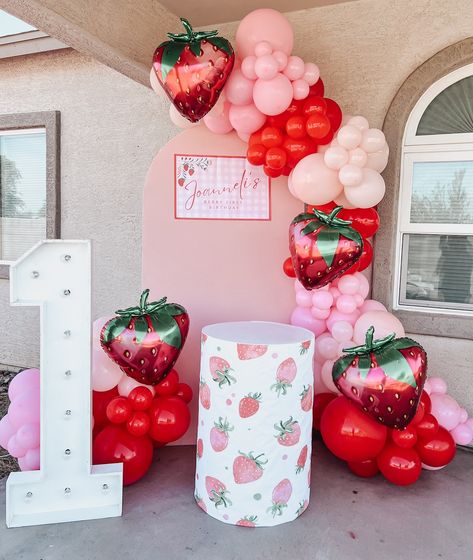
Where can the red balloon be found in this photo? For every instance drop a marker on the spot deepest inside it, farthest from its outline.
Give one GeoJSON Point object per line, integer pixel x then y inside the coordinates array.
{"type": "Point", "coordinates": [321, 401]}
{"type": "Point", "coordinates": [100, 400]}
{"type": "Point", "coordinates": [399, 465]}
{"type": "Point", "coordinates": [271, 137]}
{"type": "Point", "coordinates": [270, 172]}
{"type": "Point", "coordinates": [426, 402]}
{"type": "Point", "coordinates": [366, 256]}
{"type": "Point", "coordinates": [256, 154]}
{"type": "Point", "coordinates": [140, 398]}
{"type": "Point", "coordinates": [295, 127]}
{"type": "Point", "coordinates": [365, 469]}
{"type": "Point", "coordinates": [349, 433]}
{"type": "Point", "coordinates": [317, 126]}
{"type": "Point", "coordinates": [318, 88]}
{"type": "Point", "coordinates": [364, 220]}
{"type": "Point", "coordinates": [326, 139]}
{"type": "Point", "coordinates": [115, 445]}
{"type": "Point", "coordinates": [427, 427]}
{"type": "Point", "coordinates": [278, 121]}
{"type": "Point", "coordinates": [334, 113]}
{"type": "Point", "coordinates": [288, 268]}
{"type": "Point", "coordinates": [326, 208]}
{"type": "Point", "coordinates": [139, 423]}
{"type": "Point", "coordinates": [295, 108]}
{"type": "Point", "coordinates": [437, 451]}
{"type": "Point", "coordinates": [314, 105]}
{"type": "Point", "coordinates": [418, 415]}
{"type": "Point", "coordinates": [169, 385]}
{"type": "Point", "coordinates": [255, 138]}
{"type": "Point", "coordinates": [184, 391]}
{"type": "Point", "coordinates": [119, 410]}
{"type": "Point", "coordinates": [405, 438]}
{"type": "Point", "coordinates": [276, 158]}
{"type": "Point", "coordinates": [170, 419]}
{"type": "Point", "coordinates": [298, 149]}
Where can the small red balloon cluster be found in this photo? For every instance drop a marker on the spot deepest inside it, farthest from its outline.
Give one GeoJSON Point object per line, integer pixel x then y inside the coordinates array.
{"type": "Point", "coordinates": [287, 138]}
{"type": "Point", "coordinates": [125, 428]}
{"type": "Point", "coordinates": [369, 447]}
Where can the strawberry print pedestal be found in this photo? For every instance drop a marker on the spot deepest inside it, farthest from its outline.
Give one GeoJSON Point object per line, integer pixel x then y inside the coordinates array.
{"type": "Point", "coordinates": [255, 423]}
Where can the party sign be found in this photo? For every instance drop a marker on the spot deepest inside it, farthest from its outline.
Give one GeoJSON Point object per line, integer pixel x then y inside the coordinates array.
{"type": "Point", "coordinates": [220, 188]}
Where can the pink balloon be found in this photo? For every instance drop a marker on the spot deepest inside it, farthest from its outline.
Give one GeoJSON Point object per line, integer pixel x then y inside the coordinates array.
{"type": "Point", "coordinates": [336, 157]}
{"type": "Point", "coordinates": [262, 49]}
{"type": "Point", "coordinates": [462, 434]}
{"type": "Point", "coordinates": [25, 408]}
{"type": "Point", "coordinates": [311, 73]}
{"type": "Point", "coordinates": [427, 386]}
{"type": "Point", "coordinates": [383, 322]}
{"type": "Point", "coordinates": [342, 200]}
{"type": "Point", "coordinates": [364, 285]}
{"type": "Point", "coordinates": [295, 68]}
{"type": "Point", "coordinates": [373, 140]}
{"type": "Point", "coordinates": [127, 384]}
{"type": "Point", "coordinates": [463, 415]}
{"type": "Point", "coordinates": [302, 317]}
{"type": "Point", "coordinates": [320, 313]}
{"type": "Point", "coordinates": [281, 59]}
{"type": "Point", "coordinates": [346, 304]}
{"type": "Point", "coordinates": [304, 298]}
{"type": "Point", "coordinates": [469, 423]}
{"type": "Point", "coordinates": [326, 374]}
{"type": "Point", "coordinates": [27, 436]}
{"type": "Point", "coordinates": [239, 90]}
{"type": "Point", "coordinates": [313, 182]}
{"type": "Point", "coordinates": [245, 136]}
{"type": "Point", "coordinates": [23, 381]}
{"type": "Point", "coordinates": [246, 118]}
{"type": "Point", "coordinates": [30, 461]}
{"type": "Point", "coordinates": [342, 331]}
{"type": "Point", "coordinates": [274, 96]}
{"type": "Point", "coordinates": [326, 347]}
{"type": "Point", "coordinates": [319, 385]}
{"type": "Point", "coordinates": [350, 175]}
{"type": "Point", "coordinates": [349, 137]}
{"type": "Point", "coordinates": [178, 119]}
{"type": "Point", "coordinates": [14, 448]}
{"type": "Point", "coordinates": [359, 121]}
{"type": "Point", "coordinates": [6, 431]}
{"type": "Point", "coordinates": [266, 67]}
{"type": "Point", "coordinates": [105, 372]}
{"type": "Point", "coordinates": [300, 89]}
{"type": "Point", "coordinates": [446, 409]}
{"type": "Point", "coordinates": [359, 300]}
{"type": "Point", "coordinates": [322, 299]}
{"type": "Point", "coordinates": [348, 284]}
{"type": "Point", "coordinates": [336, 315]}
{"type": "Point", "coordinates": [437, 385]}
{"type": "Point", "coordinates": [357, 157]}
{"type": "Point", "coordinates": [369, 192]}
{"type": "Point", "coordinates": [264, 24]}
{"type": "Point", "coordinates": [372, 305]}
{"type": "Point", "coordinates": [378, 160]}
{"type": "Point", "coordinates": [219, 122]}
{"type": "Point", "coordinates": [298, 287]}
{"type": "Point", "coordinates": [248, 67]}
{"type": "Point", "coordinates": [334, 291]}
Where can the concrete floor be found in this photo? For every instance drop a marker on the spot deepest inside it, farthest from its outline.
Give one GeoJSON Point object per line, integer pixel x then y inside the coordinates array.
{"type": "Point", "coordinates": [348, 519]}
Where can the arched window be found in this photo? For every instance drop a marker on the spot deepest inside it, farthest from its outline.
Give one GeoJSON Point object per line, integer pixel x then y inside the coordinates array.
{"type": "Point", "coordinates": [429, 259]}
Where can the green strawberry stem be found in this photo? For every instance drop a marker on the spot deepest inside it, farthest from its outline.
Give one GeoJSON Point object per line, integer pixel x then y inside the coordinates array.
{"type": "Point", "coordinates": [190, 35]}
{"type": "Point", "coordinates": [276, 509]}
{"type": "Point", "coordinates": [258, 462]}
{"type": "Point", "coordinates": [370, 345]}
{"type": "Point", "coordinates": [144, 308]}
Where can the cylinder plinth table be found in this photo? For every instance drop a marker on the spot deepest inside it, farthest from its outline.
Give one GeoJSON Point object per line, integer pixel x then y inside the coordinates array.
{"type": "Point", "coordinates": [255, 422]}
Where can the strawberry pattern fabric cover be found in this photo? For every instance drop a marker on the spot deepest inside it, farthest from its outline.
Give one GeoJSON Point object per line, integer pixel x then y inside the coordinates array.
{"type": "Point", "coordinates": [255, 423]}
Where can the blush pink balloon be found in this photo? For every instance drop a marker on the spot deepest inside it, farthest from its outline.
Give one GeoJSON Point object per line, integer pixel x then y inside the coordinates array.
{"type": "Point", "coordinates": [359, 121]}
{"type": "Point", "coordinates": [300, 89]}
{"type": "Point", "coordinates": [246, 118]}
{"type": "Point", "coordinates": [326, 347]}
{"type": "Point", "coordinates": [336, 315]}
{"type": "Point", "coordinates": [281, 59]}
{"type": "Point", "coordinates": [462, 434]}
{"type": "Point", "coordinates": [372, 305]}
{"type": "Point", "coordinates": [239, 90]}
{"type": "Point", "coordinates": [295, 68]}
{"type": "Point", "coordinates": [266, 67]}
{"type": "Point", "coordinates": [313, 182]}
{"type": "Point", "coordinates": [105, 372]}
{"type": "Point", "coordinates": [28, 436]}
{"type": "Point", "coordinates": [383, 322]}
{"type": "Point", "coordinates": [364, 285]}
{"type": "Point", "coordinates": [23, 381]}
{"type": "Point", "coordinates": [326, 374]}
{"type": "Point", "coordinates": [319, 385]}
{"type": "Point", "coordinates": [336, 157]}
{"type": "Point", "coordinates": [14, 448]}
{"type": "Point", "coordinates": [127, 384]}
{"type": "Point", "coordinates": [348, 284]}
{"type": "Point", "coordinates": [378, 160]}
{"type": "Point", "coordinates": [30, 461]}
{"type": "Point", "coordinates": [446, 409]}
{"type": "Point", "coordinates": [311, 73]}
{"type": "Point", "coordinates": [437, 385]}
{"type": "Point", "coordinates": [6, 431]}
{"type": "Point", "coordinates": [350, 175]}
{"type": "Point", "coordinates": [346, 304]}
{"type": "Point", "coordinates": [373, 140]}
{"type": "Point", "coordinates": [322, 299]}
{"type": "Point", "coordinates": [342, 200]}
{"type": "Point", "coordinates": [320, 313]}
{"type": "Point", "coordinates": [302, 317]}
{"type": "Point", "coordinates": [357, 157]}
{"type": "Point", "coordinates": [219, 122]}
{"type": "Point", "coordinates": [298, 287]}
{"type": "Point", "coordinates": [359, 300]}
{"type": "Point", "coordinates": [334, 291]}
{"type": "Point", "coordinates": [304, 298]}
{"type": "Point", "coordinates": [264, 24]}
{"type": "Point", "coordinates": [262, 49]}
{"type": "Point", "coordinates": [274, 96]}
{"type": "Point", "coordinates": [469, 423]}
{"type": "Point", "coordinates": [342, 331]}
{"type": "Point", "coordinates": [245, 136]}
{"type": "Point", "coordinates": [349, 137]}
{"type": "Point", "coordinates": [463, 415]}
{"type": "Point", "coordinates": [369, 192]}
{"type": "Point", "coordinates": [25, 408]}
{"type": "Point", "coordinates": [248, 67]}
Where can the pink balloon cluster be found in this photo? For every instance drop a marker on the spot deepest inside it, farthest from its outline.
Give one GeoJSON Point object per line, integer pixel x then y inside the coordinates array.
{"type": "Point", "coordinates": [106, 374]}
{"type": "Point", "coordinates": [19, 428]}
{"type": "Point", "coordinates": [347, 171]}
{"type": "Point", "coordinates": [448, 412]}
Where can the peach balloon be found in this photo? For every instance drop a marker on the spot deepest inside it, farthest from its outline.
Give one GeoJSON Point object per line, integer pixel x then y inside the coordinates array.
{"type": "Point", "coordinates": [349, 137]}
{"type": "Point", "coordinates": [248, 67]}
{"type": "Point", "coordinates": [264, 24]}
{"type": "Point", "coordinates": [266, 67]}
{"type": "Point", "coordinates": [384, 323]}
{"type": "Point", "coordinates": [378, 160]}
{"type": "Point", "coordinates": [369, 192]}
{"type": "Point", "coordinates": [341, 200]}
{"type": "Point", "coordinates": [350, 175]}
{"type": "Point", "coordinates": [357, 157]}
{"type": "Point", "coordinates": [373, 140]}
{"type": "Point", "coordinates": [281, 59]}
{"type": "Point", "coordinates": [218, 121]}
{"type": "Point", "coordinates": [246, 118]}
{"type": "Point", "coordinates": [372, 305]}
{"type": "Point", "coordinates": [300, 89]}
{"type": "Point", "coordinates": [336, 157]}
{"type": "Point", "coordinates": [295, 68]}
{"type": "Point", "coordinates": [311, 73]}
{"type": "Point", "coordinates": [274, 96]}
{"type": "Point", "coordinates": [313, 182]}
{"type": "Point", "coordinates": [359, 121]}
{"type": "Point", "coordinates": [239, 90]}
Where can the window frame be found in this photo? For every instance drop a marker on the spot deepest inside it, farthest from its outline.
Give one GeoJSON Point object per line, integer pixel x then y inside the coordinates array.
{"type": "Point", "coordinates": [50, 121]}
{"type": "Point", "coordinates": [420, 88]}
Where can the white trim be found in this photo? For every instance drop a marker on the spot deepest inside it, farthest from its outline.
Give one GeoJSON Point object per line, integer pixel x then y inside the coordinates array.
{"type": "Point", "coordinates": [29, 42]}
{"type": "Point", "coordinates": [18, 131]}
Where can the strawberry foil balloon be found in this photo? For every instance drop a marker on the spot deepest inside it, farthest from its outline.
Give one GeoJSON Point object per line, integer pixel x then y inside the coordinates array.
{"type": "Point", "coordinates": [383, 377]}
{"type": "Point", "coordinates": [192, 68]}
{"type": "Point", "coordinates": [323, 247]}
{"type": "Point", "coordinates": [145, 341]}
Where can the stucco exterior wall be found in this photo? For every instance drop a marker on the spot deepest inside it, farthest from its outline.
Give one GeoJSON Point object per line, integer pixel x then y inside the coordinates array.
{"type": "Point", "coordinates": [112, 127]}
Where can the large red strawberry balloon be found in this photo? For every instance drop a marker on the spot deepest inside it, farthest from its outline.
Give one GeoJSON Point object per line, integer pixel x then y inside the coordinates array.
{"type": "Point", "coordinates": [145, 341]}
{"type": "Point", "coordinates": [192, 68]}
{"type": "Point", "coordinates": [383, 377]}
{"type": "Point", "coordinates": [322, 247]}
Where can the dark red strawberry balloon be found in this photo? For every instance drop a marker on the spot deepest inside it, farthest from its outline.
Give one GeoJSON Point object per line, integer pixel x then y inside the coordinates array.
{"type": "Point", "coordinates": [383, 377]}
{"type": "Point", "coordinates": [322, 247]}
{"type": "Point", "coordinates": [192, 68]}
{"type": "Point", "coordinates": [145, 341]}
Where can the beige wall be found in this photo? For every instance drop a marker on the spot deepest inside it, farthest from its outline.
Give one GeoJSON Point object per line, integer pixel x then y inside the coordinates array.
{"type": "Point", "coordinates": [111, 128]}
